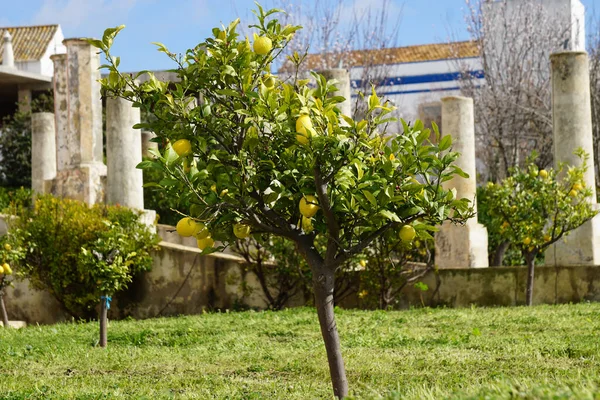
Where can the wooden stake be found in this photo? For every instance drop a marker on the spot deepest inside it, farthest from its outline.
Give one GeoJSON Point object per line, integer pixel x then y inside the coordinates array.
{"type": "Point", "coordinates": [103, 322]}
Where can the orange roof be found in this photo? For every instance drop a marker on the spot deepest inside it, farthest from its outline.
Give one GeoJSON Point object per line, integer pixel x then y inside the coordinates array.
{"type": "Point", "coordinates": [29, 42]}
{"type": "Point", "coordinates": [398, 55]}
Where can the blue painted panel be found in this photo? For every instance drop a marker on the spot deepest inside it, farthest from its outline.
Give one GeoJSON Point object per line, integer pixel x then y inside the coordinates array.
{"type": "Point", "coordinates": [428, 78]}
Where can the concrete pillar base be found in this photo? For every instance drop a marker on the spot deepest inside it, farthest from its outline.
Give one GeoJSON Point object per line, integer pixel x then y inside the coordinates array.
{"type": "Point", "coordinates": [85, 183]}
{"type": "Point", "coordinates": [461, 246]}
{"type": "Point", "coordinates": [579, 247]}
{"type": "Point", "coordinates": [148, 218]}
{"type": "Point", "coordinates": [16, 324]}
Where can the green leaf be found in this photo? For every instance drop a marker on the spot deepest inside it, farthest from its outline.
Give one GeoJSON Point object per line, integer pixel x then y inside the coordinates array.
{"type": "Point", "coordinates": [445, 143]}
{"type": "Point", "coordinates": [390, 215]}
{"type": "Point", "coordinates": [370, 197]}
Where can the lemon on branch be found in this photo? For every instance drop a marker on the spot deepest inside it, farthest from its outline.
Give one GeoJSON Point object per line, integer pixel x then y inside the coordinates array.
{"type": "Point", "coordinates": [241, 231]}
{"type": "Point", "coordinates": [182, 147]}
{"type": "Point", "coordinates": [262, 45]}
{"type": "Point", "coordinates": [186, 227]}
{"type": "Point", "coordinates": [309, 205]}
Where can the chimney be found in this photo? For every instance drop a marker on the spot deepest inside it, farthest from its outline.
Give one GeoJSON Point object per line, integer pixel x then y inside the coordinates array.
{"type": "Point", "coordinates": [8, 58]}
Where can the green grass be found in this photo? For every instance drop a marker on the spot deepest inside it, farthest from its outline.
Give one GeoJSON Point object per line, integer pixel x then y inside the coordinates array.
{"type": "Point", "coordinates": [548, 352]}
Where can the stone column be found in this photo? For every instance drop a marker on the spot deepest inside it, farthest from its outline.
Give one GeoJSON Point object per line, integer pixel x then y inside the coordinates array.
{"type": "Point", "coordinates": [147, 144]}
{"type": "Point", "coordinates": [461, 246]}
{"type": "Point", "coordinates": [572, 128]}
{"type": "Point", "coordinates": [123, 154]}
{"type": "Point", "coordinates": [43, 152]}
{"type": "Point", "coordinates": [342, 76]}
{"type": "Point", "coordinates": [61, 111]}
{"type": "Point", "coordinates": [82, 173]}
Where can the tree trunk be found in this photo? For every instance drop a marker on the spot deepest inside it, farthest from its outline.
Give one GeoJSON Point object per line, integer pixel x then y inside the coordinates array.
{"type": "Point", "coordinates": [103, 323]}
{"type": "Point", "coordinates": [323, 283]}
{"type": "Point", "coordinates": [498, 257]}
{"type": "Point", "coordinates": [530, 258]}
{"type": "Point", "coordinates": [3, 310]}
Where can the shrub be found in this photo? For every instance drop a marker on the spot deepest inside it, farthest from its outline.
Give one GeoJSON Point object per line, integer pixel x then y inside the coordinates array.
{"type": "Point", "coordinates": [14, 197]}
{"type": "Point", "coordinates": [79, 253]}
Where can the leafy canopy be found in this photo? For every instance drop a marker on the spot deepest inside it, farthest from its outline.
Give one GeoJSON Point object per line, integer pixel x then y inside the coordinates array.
{"type": "Point", "coordinates": [249, 166]}
{"type": "Point", "coordinates": [534, 208]}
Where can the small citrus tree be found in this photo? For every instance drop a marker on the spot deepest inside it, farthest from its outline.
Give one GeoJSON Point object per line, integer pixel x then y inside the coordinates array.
{"type": "Point", "coordinates": [253, 154]}
{"type": "Point", "coordinates": [533, 209]}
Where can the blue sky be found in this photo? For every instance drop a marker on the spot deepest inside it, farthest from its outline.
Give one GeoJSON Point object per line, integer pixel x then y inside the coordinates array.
{"type": "Point", "coordinates": [180, 24]}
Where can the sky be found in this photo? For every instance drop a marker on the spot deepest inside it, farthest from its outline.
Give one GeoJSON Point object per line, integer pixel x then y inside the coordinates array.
{"type": "Point", "coordinates": [181, 24]}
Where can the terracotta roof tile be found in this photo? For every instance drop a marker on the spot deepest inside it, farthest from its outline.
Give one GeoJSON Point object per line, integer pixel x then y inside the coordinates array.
{"type": "Point", "coordinates": [29, 42]}
{"type": "Point", "coordinates": [398, 55]}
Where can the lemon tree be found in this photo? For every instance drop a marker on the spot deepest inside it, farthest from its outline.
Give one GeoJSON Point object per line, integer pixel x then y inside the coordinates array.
{"type": "Point", "coordinates": [10, 253]}
{"type": "Point", "coordinates": [532, 209]}
{"type": "Point", "coordinates": [283, 160]}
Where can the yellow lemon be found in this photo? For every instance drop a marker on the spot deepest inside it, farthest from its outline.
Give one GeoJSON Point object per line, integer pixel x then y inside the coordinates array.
{"type": "Point", "coordinates": [262, 45]}
{"type": "Point", "coordinates": [201, 231]}
{"type": "Point", "coordinates": [206, 242]}
{"type": "Point", "coordinates": [1, 270]}
{"type": "Point", "coordinates": [309, 206]}
{"type": "Point", "coordinates": [7, 247]}
{"type": "Point", "coordinates": [302, 139]}
{"type": "Point", "coordinates": [363, 263]}
{"type": "Point", "coordinates": [241, 231]}
{"type": "Point", "coordinates": [543, 173]}
{"type": "Point", "coordinates": [407, 233]}
{"type": "Point", "coordinates": [182, 147]}
{"type": "Point", "coordinates": [547, 238]}
{"type": "Point", "coordinates": [573, 193]}
{"type": "Point", "coordinates": [302, 124]}
{"type": "Point", "coordinates": [307, 226]}
{"type": "Point", "coordinates": [527, 241]}
{"type": "Point", "coordinates": [186, 227]}
{"type": "Point", "coordinates": [7, 269]}
{"type": "Point", "coordinates": [578, 186]}
{"type": "Point", "coordinates": [392, 157]}
{"type": "Point", "coordinates": [269, 81]}
{"type": "Point", "coordinates": [213, 187]}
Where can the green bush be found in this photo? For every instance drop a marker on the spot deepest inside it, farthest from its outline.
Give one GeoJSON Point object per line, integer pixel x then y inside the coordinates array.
{"type": "Point", "coordinates": [15, 150]}
{"type": "Point", "coordinates": [79, 253]}
{"type": "Point", "coordinates": [14, 197]}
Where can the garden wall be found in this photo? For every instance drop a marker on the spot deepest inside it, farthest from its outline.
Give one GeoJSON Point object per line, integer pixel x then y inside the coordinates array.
{"type": "Point", "coordinates": [184, 282]}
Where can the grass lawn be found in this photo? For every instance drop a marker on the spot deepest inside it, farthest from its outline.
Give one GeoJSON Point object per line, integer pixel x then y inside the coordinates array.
{"type": "Point", "coordinates": [548, 352]}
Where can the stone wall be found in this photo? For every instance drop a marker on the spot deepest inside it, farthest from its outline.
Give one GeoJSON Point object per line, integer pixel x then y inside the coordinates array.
{"type": "Point", "coordinates": [184, 282]}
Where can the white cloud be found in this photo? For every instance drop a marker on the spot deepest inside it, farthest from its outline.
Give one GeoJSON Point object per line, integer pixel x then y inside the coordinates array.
{"type": "Point", "coordinates": [83, 17]}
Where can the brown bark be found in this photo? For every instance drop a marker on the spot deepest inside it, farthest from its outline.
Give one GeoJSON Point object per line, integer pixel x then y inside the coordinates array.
{"type": "Point", "coordinates": [3, 310]}
{"type": "Point", "coordinates": [498, 256]}
{"type": "Point", "coordinates": [530, 258]}
{"type": "Point", "coordinates": [323, 282]}
{"type": "Point", "coordinates": [103, 323]}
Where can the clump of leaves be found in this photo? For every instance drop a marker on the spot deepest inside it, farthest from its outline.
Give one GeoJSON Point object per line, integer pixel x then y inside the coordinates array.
{"type": "Point", "coordinates": [79, 253]}
{"type": "Point", "coordinates": [532, 209]}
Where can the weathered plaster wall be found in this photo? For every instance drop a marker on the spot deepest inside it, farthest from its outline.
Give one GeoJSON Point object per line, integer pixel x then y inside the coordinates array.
{"type": "Point", "coordinates": [184, 282]}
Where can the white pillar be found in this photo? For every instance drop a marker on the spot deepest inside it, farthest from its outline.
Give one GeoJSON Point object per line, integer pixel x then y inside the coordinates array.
{"type": "Point", "coordinates": [81, 170]}
{"type": "Point", "coordinates": [61, 111]}
{"type": "Point", "coordinates": [342, 76]}
{"type": "Point", "coordinates": [85, 102]}
{"type": "Point", "coordinates": [572, 129]}
{"type": "Point", "coordinates": [123, 154]}
{"type": "Point", "coordinates": [43, 151]}
{"type": "Point", "coordinates": [461, 246]}
{"type": "Point", "coordinates": [8, 56]}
